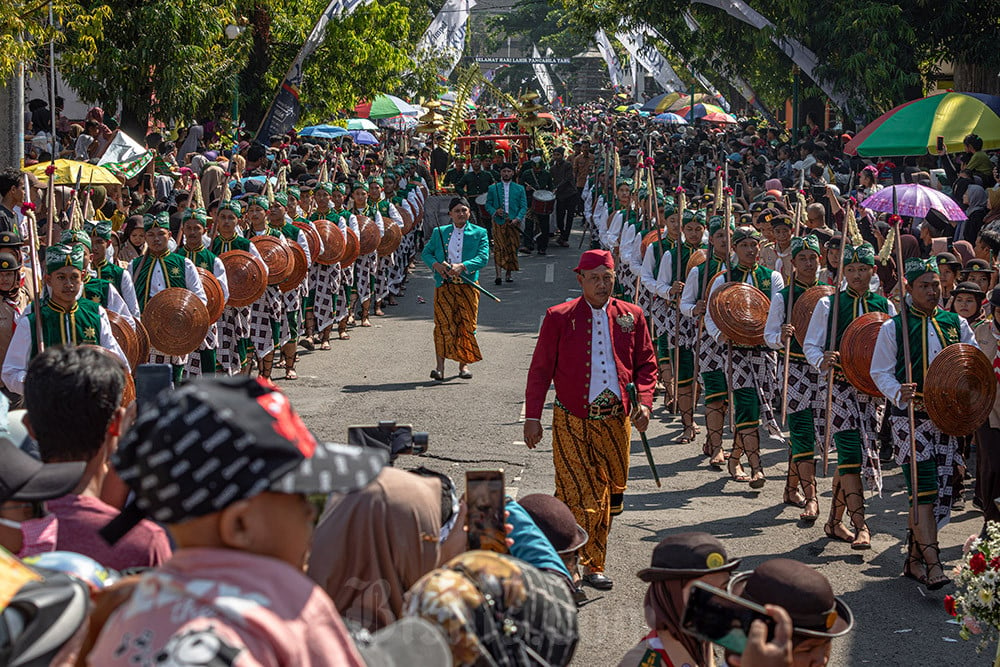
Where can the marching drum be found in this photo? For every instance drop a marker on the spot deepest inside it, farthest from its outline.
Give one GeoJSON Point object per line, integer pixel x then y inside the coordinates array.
{"type": "Point", "coordinates": [543, 202]}
{"type": "Point", "coordinates": [481, 203]}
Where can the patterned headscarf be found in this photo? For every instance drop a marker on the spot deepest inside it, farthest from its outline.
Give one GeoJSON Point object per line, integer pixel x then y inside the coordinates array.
{"type": "Point", "coordinates": [294, 191]}
{"type": "Point", "coordinates": [914, 267]}
{"type": "Point", "coordinates": [746, 233]}
{"type": "Point", "coordinates": [799, 244]}
{"type": "Point", "coordinates": [101, 230]}
{"type": "Point", "coordinates": [161, 219]}
{"type": "Point", "coordinates": [59, 255]}
{"type": "Point", "coordinates": [258, 200]}
{"type": "Point", "coordinates": [860, 254]}
{"type": "Point", "coordinates": [281, 198]}
{"type": "Point", "coordinates": [198, 214]}
{"type": "Point", "coordinates": [71, 236]}
{"type": "Point", "coordinates": [231, 205]}
{"type": "Point", "coordinates": [715, 224]}
{"type": "Point", "coordinates": [325, 186]}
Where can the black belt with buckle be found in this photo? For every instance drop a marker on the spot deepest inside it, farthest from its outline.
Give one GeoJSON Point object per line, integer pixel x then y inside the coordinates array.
{"type": "Point", "coordinates": [597, 411]}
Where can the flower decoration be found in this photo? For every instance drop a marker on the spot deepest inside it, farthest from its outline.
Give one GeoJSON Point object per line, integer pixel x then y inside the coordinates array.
{"type": "Point", "coordinates": [28, 206]}
{"type": "Point", "coordinates": [727, 191]}
{"type": "Point", "coordinates": [51, 169]}
{"type": "Point", "coordinates": [680, 190]}
{"type": "Point", "coordinates": [895, 220]}
{"type": "Point", "coordinates": [976, 602]}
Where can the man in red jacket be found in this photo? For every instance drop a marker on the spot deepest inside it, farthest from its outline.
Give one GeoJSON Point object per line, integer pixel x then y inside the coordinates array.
{"type": "Point", "coordinates": [592, 347]}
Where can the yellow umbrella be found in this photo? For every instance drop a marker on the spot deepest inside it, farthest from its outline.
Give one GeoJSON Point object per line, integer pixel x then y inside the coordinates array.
{"type": "Point", "coordinates": [67, 172]}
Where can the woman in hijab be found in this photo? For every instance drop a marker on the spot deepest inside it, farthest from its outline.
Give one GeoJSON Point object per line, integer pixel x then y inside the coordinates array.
{"type": "Point", "coordinates": [976, 200]}
{"type": "Point", "coordinates": [678, 561]}
{"type": "Point", "coordinates": [964, 251]}
{"type": "Point", "coordinates": [887, 273]}
{"type": "Point", "coordinates": [133, 239]}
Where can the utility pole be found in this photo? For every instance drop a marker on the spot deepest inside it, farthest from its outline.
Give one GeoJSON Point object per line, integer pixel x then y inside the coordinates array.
{"type": "Point", "coordinates": [12, 108]}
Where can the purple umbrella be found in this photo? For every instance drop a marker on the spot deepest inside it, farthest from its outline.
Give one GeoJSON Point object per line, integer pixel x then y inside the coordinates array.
{"type": "Point", "coordinates": [915, 201]}
{"type": "Point", "coordinates": [363, 137]}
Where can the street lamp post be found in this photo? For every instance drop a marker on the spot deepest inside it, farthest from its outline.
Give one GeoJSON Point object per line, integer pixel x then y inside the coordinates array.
{"type": "Point", "coordinates": [233, 32]}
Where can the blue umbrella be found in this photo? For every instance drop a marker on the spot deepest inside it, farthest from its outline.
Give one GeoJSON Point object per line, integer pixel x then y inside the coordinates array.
{"type": "Point", "coordinates": [363, 138]}
{"type": "Point", "coordinates": [670, 118]}
{"type": "Point", "coordinates": [323, 131]}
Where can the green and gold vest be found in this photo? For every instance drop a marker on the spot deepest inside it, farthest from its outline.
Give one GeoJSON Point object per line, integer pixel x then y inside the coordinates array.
{"type": "Point", "coordinates": [96, 290]}
{"type": "Point", "coordinates": [800, 289]}
{"type": "Point", "coordinates": [173, 268]}
{"type": "Point", "coordinates": [80, 325]}
{"type": "Point", "coordinates": [221, 245]}
{"type": "Point", "coordinates": [947, 326]}
{"type": "Point", "coordinates": [848, 305]}
{"type": "Point", "coordinates": [112, 272]}
{"type": "Point", "coordinates": [203, 258]}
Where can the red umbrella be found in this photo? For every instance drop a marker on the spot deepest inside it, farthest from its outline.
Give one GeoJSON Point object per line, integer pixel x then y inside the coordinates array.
{"type": "Point", "coordinates": [363, 110]}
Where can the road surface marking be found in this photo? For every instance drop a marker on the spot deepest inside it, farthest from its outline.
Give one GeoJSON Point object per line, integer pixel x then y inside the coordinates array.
{"type": "Point", "coordinates": [550, 273]}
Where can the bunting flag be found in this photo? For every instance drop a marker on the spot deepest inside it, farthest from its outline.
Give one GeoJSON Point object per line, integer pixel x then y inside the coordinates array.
{"type": "Point", "coordinates": [651, 60]}
{"type": "Point", "coordinates": [542, 74]}
{"type": "Point", "coordinates": [615, 71]}
{"type": "Point", "coordinates": [445, 36]}
{"type": "Point", "coordinates": [284, 111]}
{"type": "Point", "coordinates": [124, 156]}
{"type": "Point", "coordinates": [792, 48]}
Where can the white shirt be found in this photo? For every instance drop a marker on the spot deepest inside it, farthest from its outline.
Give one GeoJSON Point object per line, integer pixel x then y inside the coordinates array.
{"type": "Point", "coordinates": [157, 283]}
{"type": "Point", "coordinates": [506, 196]}
{"type": "Point", "coordinates": [777, 284]}
{"type": "Point", "coordinates": [455, 245]}
{"type": "Point", "coordinates": [883, 369]}
{"type": "Point", "coordinates": [814, 344]}
{"type": "Point", "coordinates": [604, 373]}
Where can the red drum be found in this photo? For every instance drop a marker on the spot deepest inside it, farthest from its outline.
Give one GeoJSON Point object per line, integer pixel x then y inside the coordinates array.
{"type": "Point", "coordinates": [481, 203]}
{"type": "Point", "coordinates": [543, 202]}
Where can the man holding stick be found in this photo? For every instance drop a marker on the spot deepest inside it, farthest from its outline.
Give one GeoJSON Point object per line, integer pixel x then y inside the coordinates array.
{"type": "Point", "coordinates": [592, 348]}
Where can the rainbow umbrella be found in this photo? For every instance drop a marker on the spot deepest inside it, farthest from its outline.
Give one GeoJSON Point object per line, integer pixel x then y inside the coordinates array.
{"type": "Point", "coordinates": [717, 117]}
{"type": "Point", "coordinates": [684, 100]}
{"type": "Point", "coordinates": [912, 128]}
{"type": "Point", "coordinates": [700, 111]}
{"type": "Point", "coordinates": [660, 103]}
{"type": "Point", "coordinates": [670, 119]}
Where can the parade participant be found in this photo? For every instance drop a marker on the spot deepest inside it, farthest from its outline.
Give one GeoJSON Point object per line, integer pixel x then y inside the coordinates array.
{"type": "Point", "coordinates": [507, 205]}
{"type": "Point", "coordinates": [592, 348]}
{"type": "Point", "coordinates": [803, 400]}
{"type": "Point", "coordinates": [67, 319]}
{"type": "Point", "coordinates": [980, 272]}
{"type": "Point", "coordinates": [324, 280]}
{"type": "Point", "coordinates": [235, 345]}
{"type": "Point", "coordinates": [710, 356]}
{"type": "Point", "coordinates": [567, 196]}
{"type": "Point", "coordinates": [13, 296]}
{"type": "Point", "coordinates": [456, 252]}
{"type": "Point", "coordinates": [854, 419]}
{"type": "Point", "coordinates": [454, 175]}
{"type": "Point", "coordinates": [159, 269]}
{"type": "Point", "coordinates": [345, 220]}
{"type": "Point", "coordinates": [751, 371]}
{"type": "Point", "coordinates": [818, 617]}
{"type": "Point", "coordinates": [625, 218]}
{"type": "Point", "coordinates": [95, 289]}
{"type": "Point", "coordinates": [403, 257]}
{"type": "Point", "coordinates": [476, 182]}
{"type": "Point", "coordinates": [365, 265]}
{"type": "Point", "coordinates": [194, 222]}
{"type": "Point", "coordinates": [949, 268]}
{"type": "Point", "coordinates": [778, 255]}
{"type": "Point", "coordinates": [279, 226]}
{"type": "Point", "coordinates": [678, 561]}
{"type": "Point", "coordinates": [384, 265]}
{"type": "Point", "coordinates": [536, 227]}
{"type": "Point", "coordinates": [929, 329]}
{"type": "Point", "coordinates": [100, 239]}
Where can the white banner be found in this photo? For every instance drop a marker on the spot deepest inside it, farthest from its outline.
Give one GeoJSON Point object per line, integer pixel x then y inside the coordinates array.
{"type": "Point", "coordinates": [615, 71]}
{"type": "Point", "coordinates": [651, 60]}
{"type": "Point", "coordinates": [445, 36]}
{"type": "Point", "coordinates": [792, 48]}
{"type": "Point", "coordinates": [124, 156]}
{"type": "Point", "coordinates": [542, 74]}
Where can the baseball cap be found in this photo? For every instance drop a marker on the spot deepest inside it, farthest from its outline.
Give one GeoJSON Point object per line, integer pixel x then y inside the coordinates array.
{"type": "Point", "coordinates": [216, 441]}
{"type": "Point", "coordinates": [25, 478]}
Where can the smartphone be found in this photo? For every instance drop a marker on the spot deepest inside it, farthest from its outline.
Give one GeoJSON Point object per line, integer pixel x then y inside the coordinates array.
{"type": "Point", "coordinates": [150, 380]}
{"type": "Point", "coordinates": [484, 496]}
{"type": "Point", "coordinates": [738, 190]}
{"type": "Point", "coordinates": [715, 616]}
{"type": "Point", "coordinates": [394, 438]}
{"type": "Point", "coordinates": [940, 144]}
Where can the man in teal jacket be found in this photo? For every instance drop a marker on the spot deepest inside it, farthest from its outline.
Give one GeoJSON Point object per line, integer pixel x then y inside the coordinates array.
{"type": "Point", "coordinates": [507, 205]}
{"type": "Point", "coordinates": [455, 253]}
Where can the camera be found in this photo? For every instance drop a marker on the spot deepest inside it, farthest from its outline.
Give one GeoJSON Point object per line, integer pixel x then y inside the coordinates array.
{"type": "Point", "coordinates": [389, 436]}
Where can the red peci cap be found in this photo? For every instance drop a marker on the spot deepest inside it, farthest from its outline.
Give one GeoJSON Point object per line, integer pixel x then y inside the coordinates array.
{"type": "Point", "coordinates": [593, 259]}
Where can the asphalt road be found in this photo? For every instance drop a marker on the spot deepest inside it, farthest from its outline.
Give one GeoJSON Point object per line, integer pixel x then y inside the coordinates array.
{"type": "Point", "coordinates": [383, 373]}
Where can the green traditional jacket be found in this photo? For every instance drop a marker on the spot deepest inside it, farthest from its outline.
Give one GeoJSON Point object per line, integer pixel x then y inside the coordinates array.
{"type": "Point", "coordinates": [800, 289]}
{"type": "Point", "coordinates": [947, 326]}
{"type": "Point", "coordinates": [96, 290]}
{"type": "Point", "coordinates": [203, 258]}
{"type": "Point", "coordinates": [848, 305]}
{"type": "Point", "coordinates": [757, 275]}
{"type": "Point", "coordinates": [80, 325]}
{"type": "Point", "coordinates": [686, 250]}
{"type": "Point", "coordinates": [112, 272]}
{"type": "Point", "coordinates": [288, 230]}
{"type": "Point", "coordinates": [714, 268]}
{"type": "Point", "coordinates": [172, 266]}
{"type": "Point", "coordinates": [221, 245]}
{"type": "Point", "coordinates": [317, 215]}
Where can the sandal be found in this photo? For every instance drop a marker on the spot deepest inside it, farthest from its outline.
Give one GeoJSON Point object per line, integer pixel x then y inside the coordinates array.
{"type": "Point", "coordinates": [437, 375]}
{"type": "Point", "coordinates": [686, 437]}
{"type": "Point", "coordinates": [832, 534]}
{"type": "Point", "coordinates": [290, 374]}
{"type": "Point", "coordinates": [932, 583]}
{"type": "Point", "coordinates": [786, 498]}
{"type": "Point", "coordinates": [862, 543]}
{"type": "Point", "coordinates": [325, 345]}
{"type": "Point", "coordinates": [808, 516]}
{"type": "Point", "coordinates": [736, 473]}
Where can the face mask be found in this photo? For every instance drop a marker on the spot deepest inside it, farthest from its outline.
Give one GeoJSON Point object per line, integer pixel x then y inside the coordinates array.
{"type": "Point", "coordinates": [16, 525]}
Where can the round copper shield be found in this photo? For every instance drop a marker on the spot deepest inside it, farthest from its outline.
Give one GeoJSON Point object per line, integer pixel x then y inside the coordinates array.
{"type": "Point", "coordinates": [802, 309]}
{"type": "Point", "coordinates": [299, 269]}
{"type": "Point", "coordinates": [697, 258]}
{"type": "Point", "coordinates": [127, 338]}
{"type": "Point", "coordinates": [213, 290]}
{"type": "Point", "coordinates": [959, 389]}
{"type": "Point", "coordinates": [408, 219]}
{"type": "Point", "coordinates": [740, 312]}
{"type": "Point", "coordinates": [333, 242]}
{"type": "Point", "coordinates": [128, 391]}
{"type": "Point", "coordinates": [276, 255]}
{"type": "Point", "coordinates": [857, 346]}
{"type": "Point", "coordinates": [352, 249]}
{"type": "Point", "coordinates": [369, 235]}
{"type": "Point", "coordinates": [654, 236]}
{"type": "Point", "coordinates": [143, 337]}
{"type": "Point", "coordinates": [391, 238]}
{"type": "Point", "coordinates": [312, 238]}
{"type": "Point", "coordinates": [177, 321]}
{"type": "Point", "coordinates": [246, 276]}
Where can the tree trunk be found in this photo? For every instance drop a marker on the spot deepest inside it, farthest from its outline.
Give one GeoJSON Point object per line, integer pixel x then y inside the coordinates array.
{"type": "Point", "coordinates": [973, 78]}
{"type": "Point", "coordinates": [254, 95]}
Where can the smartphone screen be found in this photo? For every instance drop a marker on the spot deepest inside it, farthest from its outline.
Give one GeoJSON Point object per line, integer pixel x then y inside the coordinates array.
{"type": "Point", "coordinates": [484, 496]}
{"type": "Point", "coordinates": [150, 380]}
{"type": "Point", "coordinates": [394, 438]}
{"type": "Point", "coordinates": [715, 616]}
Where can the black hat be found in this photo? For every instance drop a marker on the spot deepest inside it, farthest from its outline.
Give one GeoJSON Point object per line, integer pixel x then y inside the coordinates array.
{"type": "Point", "coordinates": [687, 555]}
{"type": "Point", "coordinates": [219, 440]}
{"type": "Point", "coordinates": [977, 265]}
{"type": "Point", "coordinates": [835, 241]}
{"type": "Point", "coordinates": [9, 261]}
{"type": "Point", "coordinates": [948, 259]}
{"type": "Point", "coordinates": [969, 287]}
{"type": "Point", "coordinates": [804, 593]}
{"type": "Point", "coordinates": [10, 239]}
{"type": "Point", "coordinates": [555, 519]}
{"type": "Point", "coordinates": [25, 478]}
{"type": "Point", "coordinates": [458, 201]}
{"type": "Point", "coordinates": [781, 220]}
{"type": "Point", "coordinates": [995, 297]}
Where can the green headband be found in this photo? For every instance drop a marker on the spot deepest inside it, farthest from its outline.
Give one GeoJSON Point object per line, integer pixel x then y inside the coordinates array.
{"type": "Point", "coordinates": [358, 185]}
{"type": "Point", "coordinates": [101, 230]}
{"type": "Point", "coordinates": [715, 224]}
{"type": "Point", "coordinates": [746, 233]}
{"type": "Point", "coordinates": [341, 188]}
{"type": "Point", "coordinates": [71, 236]}
{"type": "Point", "coordinates": [294, 191]}
{"type": "Point", "coordinates": [862, 254]}
{"type": "Point", "coordinates": [281, 198]}
{"type": "Point", "coordinates": [914, 267]}
{"type": "Point", "coordinates": [198, 214]}
{"type": "Point", "coordinates": [59, 255]}
{"type": "Point", "coordinates": [231, 205]}
{"type": "Point", "coordinates": [376, 180]}
{"type": "Point", "coordinates": [808, 243]}
{"type": "Point", "coordinates": [161, 219]}
{"type": "Point", "coordinates": [258, 200]}
{"type": "Point", "coordinates": [325, 186]}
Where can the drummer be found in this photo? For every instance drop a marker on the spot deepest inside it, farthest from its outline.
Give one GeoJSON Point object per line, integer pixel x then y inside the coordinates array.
{"type": "Point", "coordinates": [709, 354]}
{"type": "Point", "coordinates": [803, 381]}
{"type": "Point", "coordinates": [854, 419]}
{"type": "Point", "coordinates": [930, 329]}
{"type": "Point", "coordinates": [507, 205]}
{"type": "Point", "coordinates": [193, 225]}
{"type": "Point", "coordinates": [475, 182]}
{"type": "Point", "coordinates": [536, 225]}
{"type": "Point", "coordinates": [753, 382]}
{"type": "Point", "coordinates": [100, 240]}
{"type": "Point", "coordinates": [67, 319]}
{"type": "Point", "coordinates": [158, 269]}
